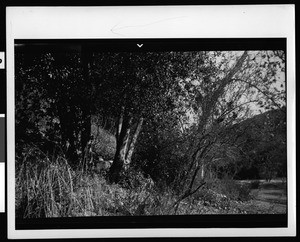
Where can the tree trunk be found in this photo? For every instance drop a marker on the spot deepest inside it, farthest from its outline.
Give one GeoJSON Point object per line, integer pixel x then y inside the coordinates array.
{"type": "Point", "coordinates": [202, 171]}
{"type": "Point", "coordinates": [209, 103]}
{"type": "Point", "coordinates": [119, 123]}
{"type": "Point", "coordinates": [122, 144]}
{"type": "Point", "coordinates": [87, 103]}
{"type": "Point", "coordinates": [85, 130]}
{"type": "Point", "coordinates": [133, 142]}
{"type": "Point", "coordinates": [68, 131]}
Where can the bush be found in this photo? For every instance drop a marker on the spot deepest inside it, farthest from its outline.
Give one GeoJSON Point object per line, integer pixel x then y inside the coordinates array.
{"type": "Point", "coordinates": [227, 188]}
{"type": "Point", "coordinates": [244, 193]}
{"type": "Point", "coordinates": [134, 179]}
{"type": "Point", "coordinates": [211, 198]}
{"type": "Point", "coordinates": [255, 184]}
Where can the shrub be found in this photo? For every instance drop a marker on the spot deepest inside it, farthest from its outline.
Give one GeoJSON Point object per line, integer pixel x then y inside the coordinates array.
{"type": "Point", "coordinates": [133, 179]}
{"type": "Point", "coordinates": [255, 184]}
{"type": "Point", "coordinates": [244, 192]}
{"type": "Point", "coordinates": [211, 198]}
{"type": "Point", "coordinates": [225, 189]}
{"type": "Point", "coordinates": [234, 190]}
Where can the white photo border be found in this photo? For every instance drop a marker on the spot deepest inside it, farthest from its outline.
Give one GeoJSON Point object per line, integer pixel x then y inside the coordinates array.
{"type": "Point", "coordinates": [146, 22]}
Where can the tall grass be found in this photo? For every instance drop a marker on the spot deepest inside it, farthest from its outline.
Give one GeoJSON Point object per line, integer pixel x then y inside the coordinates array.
{"type": "Point", "coordinates": [48, 187]}
{"type": "Point", "coordinates": [51, 188]}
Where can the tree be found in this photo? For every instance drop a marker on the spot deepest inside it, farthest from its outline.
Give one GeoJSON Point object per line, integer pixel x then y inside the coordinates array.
{"type": "Point", "coordinates": [133, 87]}
{"type": "Point", "coordinates": [203, 94]}
{"type": "Point", "coordinates": [60, 93]}
{"type": "Point", "coordinates": [219, 90]}
{"type": "Point", "coordinates": [229, 88]}
{"type": "Point", "coordinates": [160, 150]}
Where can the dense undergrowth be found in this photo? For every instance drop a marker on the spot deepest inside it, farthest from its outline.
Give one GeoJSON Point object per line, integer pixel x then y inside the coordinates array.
{"type": "Point", "coordinates": [49, 187]}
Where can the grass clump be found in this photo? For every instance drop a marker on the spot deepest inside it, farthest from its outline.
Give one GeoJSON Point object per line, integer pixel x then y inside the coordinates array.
{"type": "Point", "coordinates": [44, 188]}
{"type": "Point", "coordinates": [51, 188]}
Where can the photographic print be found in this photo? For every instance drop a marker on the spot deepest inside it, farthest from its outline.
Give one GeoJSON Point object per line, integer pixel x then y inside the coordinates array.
{"type": "Point", "coordinates": [126, 123]}
{"type": "Point", "coordinates": [134, 133]}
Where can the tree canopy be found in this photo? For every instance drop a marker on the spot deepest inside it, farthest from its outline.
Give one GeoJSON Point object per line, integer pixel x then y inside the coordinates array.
{"type": "Point", "coordinates": [171, 111]}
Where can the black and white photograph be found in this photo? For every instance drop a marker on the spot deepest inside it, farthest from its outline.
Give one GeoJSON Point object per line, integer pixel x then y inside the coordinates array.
{"type": "Point", "coordinates": [102, 133]}
{"type": "Point", "coordinates": [126, 123]}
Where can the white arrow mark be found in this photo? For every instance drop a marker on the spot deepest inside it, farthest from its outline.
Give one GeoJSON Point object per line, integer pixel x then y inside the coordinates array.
{"type": "Point", "coordinates": [139, 45]}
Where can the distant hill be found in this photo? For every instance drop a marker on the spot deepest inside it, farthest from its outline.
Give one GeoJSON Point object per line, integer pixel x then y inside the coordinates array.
{"type": "Point", "coordinates": [262, 140]}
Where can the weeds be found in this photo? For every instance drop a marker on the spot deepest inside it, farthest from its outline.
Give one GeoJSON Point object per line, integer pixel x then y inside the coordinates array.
{"type": "Point", "coordinates": [51, 188]}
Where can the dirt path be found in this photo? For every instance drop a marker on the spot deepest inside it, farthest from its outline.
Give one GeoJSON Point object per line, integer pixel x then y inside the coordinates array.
{"type": "Point", "coordinates": [270, 198]}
